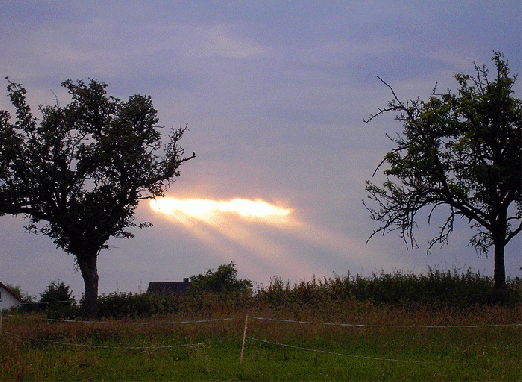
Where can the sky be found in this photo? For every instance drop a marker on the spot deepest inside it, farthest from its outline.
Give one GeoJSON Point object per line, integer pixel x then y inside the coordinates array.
{"type": "Point", "coordinates": [274, 94]}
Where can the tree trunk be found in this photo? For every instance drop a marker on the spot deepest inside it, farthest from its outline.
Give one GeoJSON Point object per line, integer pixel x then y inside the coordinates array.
{"type": "Point", "coordinates": [500, 270]}
{"type": "Point", "coordinates": [498, 234]}
{"type": "Point", "coordinates": [90, 276]}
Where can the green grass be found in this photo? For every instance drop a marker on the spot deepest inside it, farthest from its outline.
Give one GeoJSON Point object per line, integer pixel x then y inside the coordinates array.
{"type": "Point", "coordinates": [141, 337]}
{"type": "Point", "coordinates": [34, 349]}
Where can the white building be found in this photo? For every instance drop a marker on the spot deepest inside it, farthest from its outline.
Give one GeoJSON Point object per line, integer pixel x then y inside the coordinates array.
{"type": "Point", "coordinates": [8, 298]}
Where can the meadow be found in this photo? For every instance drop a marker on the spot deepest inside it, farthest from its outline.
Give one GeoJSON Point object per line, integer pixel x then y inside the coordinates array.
{"type": "Point", "coordinates": [337, 329]}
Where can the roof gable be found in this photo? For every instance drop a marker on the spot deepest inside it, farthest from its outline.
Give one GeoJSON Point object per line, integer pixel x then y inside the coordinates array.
{"type": "Point", "coordinates": [172, 287]}
{"type": "Point", "coordinates": [13, 294]}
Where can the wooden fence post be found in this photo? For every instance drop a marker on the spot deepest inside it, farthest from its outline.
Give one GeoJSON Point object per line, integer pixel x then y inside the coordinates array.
{"type": "Point", "coordinates": [244, 339]}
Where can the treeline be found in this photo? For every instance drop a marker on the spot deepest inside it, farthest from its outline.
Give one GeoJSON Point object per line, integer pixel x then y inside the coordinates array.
{"type": "Point", "coordinates": [221, 290]}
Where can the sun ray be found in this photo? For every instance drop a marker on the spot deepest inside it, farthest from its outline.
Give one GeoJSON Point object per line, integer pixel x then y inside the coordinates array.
{"type": "Point", "coordinates": [221, 225]}
{"type": "Point", "coordinates": [254, 230]}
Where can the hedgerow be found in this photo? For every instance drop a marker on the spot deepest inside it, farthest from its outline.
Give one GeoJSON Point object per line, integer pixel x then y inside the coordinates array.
{"type": "Point", "coordinates": [436, 289]}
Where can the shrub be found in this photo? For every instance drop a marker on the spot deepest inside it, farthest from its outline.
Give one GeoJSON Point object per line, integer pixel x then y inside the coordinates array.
{"type": "Point", "coordinates": [121, 305]}
{"type": "Point", "coordinates": [222, 281]}
{"type": "Point", "coordinates": [451, 288]}
{"type": "Point", "coordinates": [57, 301]}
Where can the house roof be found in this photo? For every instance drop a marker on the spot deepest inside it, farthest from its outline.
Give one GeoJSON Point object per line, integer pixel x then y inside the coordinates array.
{"type": "Point", "coordinates": [171, 287]}
{"type": "Point", "coordinates": [11, 292]}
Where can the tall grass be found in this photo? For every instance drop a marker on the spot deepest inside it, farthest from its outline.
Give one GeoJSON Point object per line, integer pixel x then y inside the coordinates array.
{"type": "Point", "coordinates": [435, 290]}
{"type": "Point", "coordinates": [166, 347]}
{"type": "Point", "coordinates": [440, 326]}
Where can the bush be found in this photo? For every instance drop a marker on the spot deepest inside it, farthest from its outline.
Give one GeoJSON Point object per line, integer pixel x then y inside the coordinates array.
{"type": "Point", "coordinates": [124, 305]}
{"type": "Point", "coordinates": [138, 305]}
{"type": "Point", "coordinates": [57, 301]}
{"type": "Point", "coordinates": [435, 289]}
{"type": "Point", "coordinates": [222, 281]}
{"type": "Point", "coordinates": [220, 292]}
{"type": "Point", "coordinates": [129, 305]}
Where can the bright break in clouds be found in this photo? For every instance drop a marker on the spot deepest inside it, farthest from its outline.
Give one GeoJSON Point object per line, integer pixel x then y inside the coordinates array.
{"type": "Point", "coordinates": [208, 209]}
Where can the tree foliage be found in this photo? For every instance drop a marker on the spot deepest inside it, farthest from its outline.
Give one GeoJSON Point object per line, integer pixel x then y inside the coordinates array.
{"type": "Point", "coordinates": [223, 280]}
{"type": "Point", "coordinates": [79, 172]}
{"type": "Point", "coordinates": [57, 293]}
{"type": "Point", "coordinates": [459, 150]}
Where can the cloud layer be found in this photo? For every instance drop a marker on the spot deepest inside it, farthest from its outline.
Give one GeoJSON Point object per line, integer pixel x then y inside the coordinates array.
{"type": "Point", "coordinates": [274, 94]}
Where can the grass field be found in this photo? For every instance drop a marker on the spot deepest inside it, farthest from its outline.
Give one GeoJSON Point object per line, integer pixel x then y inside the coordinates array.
{"type": "Point", "coordinates": [296, 343]}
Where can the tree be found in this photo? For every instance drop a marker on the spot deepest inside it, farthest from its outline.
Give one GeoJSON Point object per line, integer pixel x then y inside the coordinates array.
{"type": "Point", "coordinates": [57, 293]}
{"type": "Point", "coordinates": [461, 151]}
{"type": "Point", "coordinates": [223, 280]}
{"type": "Point", "coordinates": [57, 301]}
{"type": "Point", "coordinates": [79, 172]}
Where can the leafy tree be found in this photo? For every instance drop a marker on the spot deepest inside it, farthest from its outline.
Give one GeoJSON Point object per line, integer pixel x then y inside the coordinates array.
{"type": "Point", "coordinates": [57, 301]}
{"type": "Point", "coordinates": [57, 293]}
{"type": "Point", "coordinates": [79, 172]}
{"type": "Point", "coordinates": [458, 150]}
{"type": "Point", "coordinates": [223, 280]}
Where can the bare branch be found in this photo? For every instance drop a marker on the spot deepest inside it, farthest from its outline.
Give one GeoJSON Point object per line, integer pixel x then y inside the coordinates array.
{"type": "Point", "coordinates": [451, 153]}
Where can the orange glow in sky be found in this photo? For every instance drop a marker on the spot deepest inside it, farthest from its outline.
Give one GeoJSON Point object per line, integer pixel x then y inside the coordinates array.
{"type": "Point", "coordinates": [209, 210]}
{"type": "Point", "coordinates": [253, 225]}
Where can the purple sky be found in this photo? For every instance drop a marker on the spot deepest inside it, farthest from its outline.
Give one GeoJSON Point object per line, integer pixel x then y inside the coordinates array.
{"type": "Point", "coordinates": [274, 93]}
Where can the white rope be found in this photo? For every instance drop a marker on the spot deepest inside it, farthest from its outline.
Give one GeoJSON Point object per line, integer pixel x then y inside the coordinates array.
{"type": "Point", "coordinates": [267, 341]}
{"type": "Point", "coordinates": [329, 352]}
{"type": "Point", "coordinates": [279, 320]}
{"type": "Point", "coordinates": [384, 326]}
{"type": "Point", "coordinates": [133, 323]}
{"type": "Point", "coordinates": [118, 347]}
{"type": "Point", "coordinates": [154, 322]}
{"type": "Point", "coordinates": [184, 322]}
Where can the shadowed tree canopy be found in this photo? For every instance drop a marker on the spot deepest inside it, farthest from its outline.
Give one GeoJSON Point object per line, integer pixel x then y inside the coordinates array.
{"type": "Point", "coordinates": [223, 280]}
{"type": "Point", "coordinates": [80, 170]}
{"type": "Point", "coordinates": [58, 294]}
{"type": "Point", "coordinates": [461, 151]}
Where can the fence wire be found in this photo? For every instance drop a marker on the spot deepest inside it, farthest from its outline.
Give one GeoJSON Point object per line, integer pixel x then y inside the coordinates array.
{"type": "Point", "coordinates": [258, 318]}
